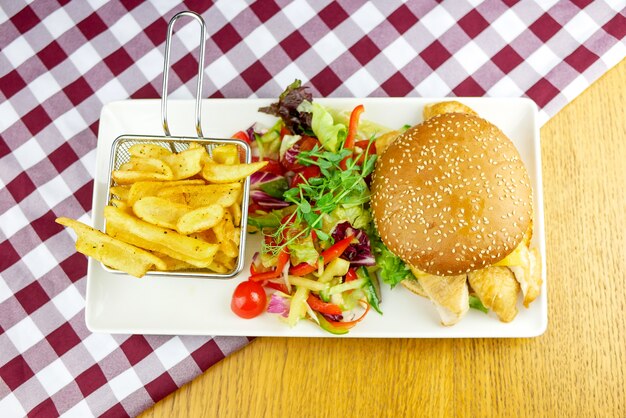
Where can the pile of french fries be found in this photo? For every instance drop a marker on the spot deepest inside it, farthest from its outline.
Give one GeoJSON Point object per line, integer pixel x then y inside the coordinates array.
{"type": "Point", "coordinates": [171, 211]}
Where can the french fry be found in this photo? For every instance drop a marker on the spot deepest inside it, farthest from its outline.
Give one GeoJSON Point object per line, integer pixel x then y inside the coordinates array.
{"type": "Point", "coordinates": [120, 191]}
{"type": "Point", "coordinates": [151, 188]}
{"type": "Point", "coordinates": [224, 260]}
{"type": "Point", "coordinates": [176, 198]}
{"type": "Point", "coordinates": [223, 173]}
{"type": "Point", "coordinates": [129, 177]}
{"type": "Point", "coordinates": [224, 232]}
{"type": "Point", "coordinates": [164, 216]}
{"type": "Point", "coordinates": [219, 268]}
{"type": "Point", "coordinates": [228, 228]}
{"type": "Point", "coordinates": [205, 158]}
{"type": "Point", "coordinates": [160, 239]}
{"type": "Point", "coordinates": [229, 248]}
{"type": "Point", "coordinates": [226, 154]}
{"type": "Point", "coordinates": [198, 196]}
{"type": "Point", "coordinates": [173, 264]}
{"type": "Point", "coordinates": [185, 164]}
{"type": "Point", "coordinates": [110, 251]}
{"type": "Point", "coordinates": [149, 150]}
{"type": "Point", "coordinates": [150, 165]}
{"type": "Point", "coordinates": [235, 212]}
{"type": "Point", "coordinates": [159, 211]}
{"type": "Point", "coordinates": [206, 236]}
{"type": "Point", "coordinates": [120, 204]}
{"type": "Point", "coordinates": [200, 219]}
{"type": "Point", "coordinates": [122, 234]}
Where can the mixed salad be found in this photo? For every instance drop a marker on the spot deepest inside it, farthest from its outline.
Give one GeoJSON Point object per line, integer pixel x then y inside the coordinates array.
{"type": "Point", "coordinates": [321, 256]}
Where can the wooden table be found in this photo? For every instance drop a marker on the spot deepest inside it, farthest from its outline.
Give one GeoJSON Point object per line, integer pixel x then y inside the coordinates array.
{"type": "Point", "coordinates": [576, 369]}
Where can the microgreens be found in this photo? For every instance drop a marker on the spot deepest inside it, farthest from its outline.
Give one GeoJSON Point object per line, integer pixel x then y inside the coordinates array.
{"type": "Point", "coordinates": [319, 196]}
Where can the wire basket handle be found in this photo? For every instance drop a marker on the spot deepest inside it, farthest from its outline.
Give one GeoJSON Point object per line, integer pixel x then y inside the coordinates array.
{"type": "Point", "coordinates": [166, 70]}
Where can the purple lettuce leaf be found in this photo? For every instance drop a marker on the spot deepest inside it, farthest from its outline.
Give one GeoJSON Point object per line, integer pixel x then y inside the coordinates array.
{"type": "Point", "coordinates": [266, 201]}
{"type": "Point", "coordinates": [287, 108]}
{"type": "Point", "coordinates": [357, 254]}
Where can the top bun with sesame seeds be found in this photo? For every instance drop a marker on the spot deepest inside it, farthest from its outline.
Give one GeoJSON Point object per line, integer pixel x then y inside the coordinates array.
{"type": "Point", "coordinates": [451, 195]}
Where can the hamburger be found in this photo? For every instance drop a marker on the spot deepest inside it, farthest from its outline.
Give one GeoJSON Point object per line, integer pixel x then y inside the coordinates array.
{"type": "Point", "coordinates": [452, 198]}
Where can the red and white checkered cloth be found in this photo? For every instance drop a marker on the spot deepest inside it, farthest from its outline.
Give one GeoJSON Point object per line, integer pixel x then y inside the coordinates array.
{"type": "Point", "coordinates": [60, 61]}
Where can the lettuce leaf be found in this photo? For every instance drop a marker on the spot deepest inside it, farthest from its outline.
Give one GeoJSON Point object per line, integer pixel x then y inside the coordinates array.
{"type": "Point", "coordinates": [367, 128]}
{"type": "Point", "coordinates": [286, 108]}
{"type": "Point", "coordinates": [271, 219]}
{"type": "Point", "coordinates": [303, 251]}
{"type": "Point", "coordinates": [392, 269]}
{"type": "Point", "coordinates": [358, 217]}
{"type": "Point", "coordinates": [275, 188]}
{"type": "Point", "coordinates": [475, 303]}
{"type": "Point", "coordinates": [358, 254]}
{"type": "Point", "coordinates": [324, 128]}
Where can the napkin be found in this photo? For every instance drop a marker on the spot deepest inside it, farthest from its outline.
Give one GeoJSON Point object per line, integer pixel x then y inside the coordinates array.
{"type": "Point", "coordinates": [61, 61]}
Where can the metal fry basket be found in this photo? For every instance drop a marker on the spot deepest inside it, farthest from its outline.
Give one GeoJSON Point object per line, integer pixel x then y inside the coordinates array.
{"type": "Point", "coordinates": [120, 150]}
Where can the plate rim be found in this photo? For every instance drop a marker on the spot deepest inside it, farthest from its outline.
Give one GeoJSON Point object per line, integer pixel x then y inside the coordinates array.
{"type": "Point", "coordinates": [539, 222]}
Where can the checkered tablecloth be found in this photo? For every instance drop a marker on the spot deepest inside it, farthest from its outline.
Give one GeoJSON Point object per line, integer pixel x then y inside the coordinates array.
{"type": "Point", "coordinates": [60, 61]}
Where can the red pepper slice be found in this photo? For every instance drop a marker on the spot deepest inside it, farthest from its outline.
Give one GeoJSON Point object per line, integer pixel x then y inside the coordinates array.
{"type": "Point", "coordinates": [283, 257]}
{"type": "Point", "coordinates": [328, 255]}
{"type": "Point", "coordinates": [326, 308]}
{"type": "Point", "coordinates": [259, 277]}
{"type": "Point", "coordinates": [354, 124]}
{"type": "Point", "coordinates": [277, 286]}
{"type": "Point", "coordinates": [337, 249]}
{"type": "Point", "coordinates": [350, 324]}
{"type": "Point", "coordinates": [273, 167]}
{"type": "Point", "coordinates": [241, 135]}
{"type": "Point", "coordinates": [288, 219]}
{"type": "Point", "coordinates": [352, 128]}
{"type": "Point", "coordinates": [303, 269]}
{"type": "Point", "coordinates": [284, 131]}
{"type": "Point", "coordinates": [366, 143]}
{"type": "Point", "coordinates": [351, 275]}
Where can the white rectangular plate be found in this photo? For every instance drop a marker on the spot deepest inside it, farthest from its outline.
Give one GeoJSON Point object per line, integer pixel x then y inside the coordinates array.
{"type": "Point", "coordinates": [117, 303]}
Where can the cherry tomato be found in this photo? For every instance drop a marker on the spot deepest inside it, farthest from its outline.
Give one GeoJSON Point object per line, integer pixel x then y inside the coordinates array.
{"type": "Point", "coordinates": [249, 299]}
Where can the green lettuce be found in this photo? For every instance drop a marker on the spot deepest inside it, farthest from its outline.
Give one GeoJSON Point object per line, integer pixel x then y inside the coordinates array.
{"type": "Point", "coordinates": [367, 128]}
{"type": "Point", "coordinates": [330, 135]}
{"type": "Point", "coordinates": [303, 251]}
{"type": "Point", "coordinates": [271, 219]}
{"type": "Point", "coordinates": [275, 188]}
{"type": "Point", "coordinates": [392, 269]}
{"type": "Point", "coordinates": [475, 303]}
{"type": "Point", "coordinates": [357, 216]}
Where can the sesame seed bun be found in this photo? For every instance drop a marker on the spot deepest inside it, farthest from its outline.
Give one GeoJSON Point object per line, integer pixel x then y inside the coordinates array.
{"type": "Point", "coordinates": [451, 195]}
